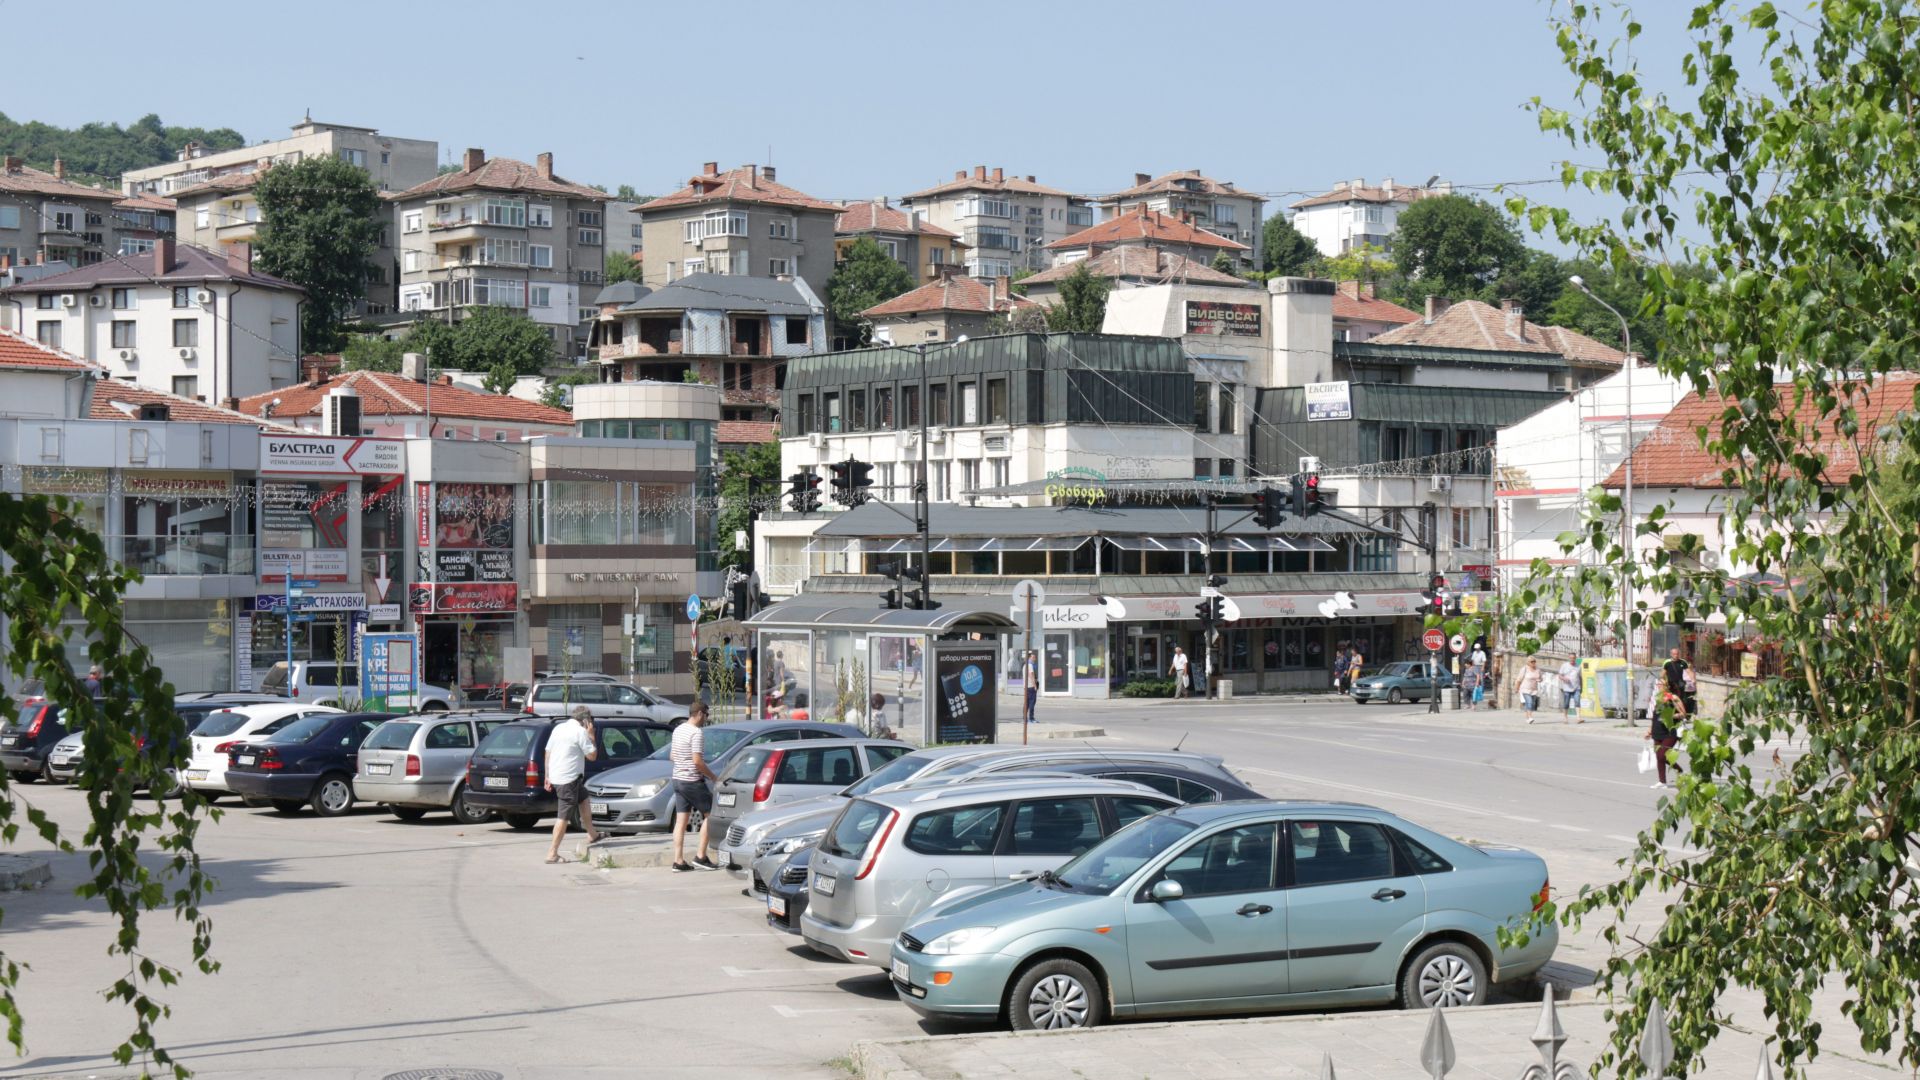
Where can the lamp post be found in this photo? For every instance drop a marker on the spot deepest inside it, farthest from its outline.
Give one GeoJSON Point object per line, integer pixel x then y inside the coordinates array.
{"type": "Point", "coordinates": [1626, 506]}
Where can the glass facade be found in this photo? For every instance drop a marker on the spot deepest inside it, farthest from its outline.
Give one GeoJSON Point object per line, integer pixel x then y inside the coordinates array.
{"type": "Point", "coordinates": [588, 512]}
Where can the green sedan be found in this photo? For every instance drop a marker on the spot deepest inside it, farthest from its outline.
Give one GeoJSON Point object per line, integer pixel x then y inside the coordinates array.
{"type": "Point", "coordinates": [1407, 681]}
{"type": "Point", "coordinates": [1233, 907]}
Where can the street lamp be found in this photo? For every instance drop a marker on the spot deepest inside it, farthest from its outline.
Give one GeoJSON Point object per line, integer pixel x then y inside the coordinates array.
{"type": "Point", "coordinates": [1626, 508]}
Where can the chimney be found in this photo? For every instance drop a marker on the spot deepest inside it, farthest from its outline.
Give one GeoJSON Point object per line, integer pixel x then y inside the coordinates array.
{"type": "Point", "coordinates": [880, 202]}
{"type": "Point", "coordinates": [1516, 319]}
{"type": "Point", "coordinates": [767, 173]}
{"type": "Point", "coordinates": [12, 163]}
{"type": "Point", "coordinates": [162, 255]}
{"type": "Point", "coordinates": [59, 169]}
{"type": "Point", "coordinates": [1386, 187]}
{"type": "Point", "coordinates": [1002, 287]}
{"type": "Point", "coordinates": [472, 159]}
{"type": "Point", "coordinates": [1366, 290]}
{"type": "Point", "coordinates": [711, 168]}
{"type": "Point", "coordinates": [751, 170]}
{"type": "Point", "coordinates": [958, 174]}
{"type": "Point", "coordinates": [1436, 305]}
{"type": "Point", "coordinates": [1140, 179]}
{"type": "Point", "coordinates": [544, 165]}
{"type": "Point", "coordinates": [231, 404]}
{"type": "Point", "coordinates": [979, 172]}
{"type": "Point", "coordinates": [240, 257]}
{"type": "Point", "coordinates": [1358, 183]}
{"type": "Point", "coordinates": [998, 176]}
{"type": "Point", "coordinates": [1030, 178]}
{"type": "Point", "coordinates": [1339, 185]}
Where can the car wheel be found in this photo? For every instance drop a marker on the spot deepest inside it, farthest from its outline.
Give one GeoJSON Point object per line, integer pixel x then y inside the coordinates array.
{"type": "Point", "coordinates": [465, 814]}
{"type": "Point", "coordinates": [1395, 697]}
{"type": "Point", "coordinates": [1359, 701]}
{"type": "Point", "coordinates": [409, 813]}
{"type": "Point", "coordinates": [288, 806]}
{"type": "Point", "coordinates": [1056, 995]}
{"type": "Point", "coordinates": [434, 706]}
{"type": "Point", "coordinates": [332, 796]}
{"type": "Point", "coordinates": [523, 822]}
{"type": "Point", "coordinates": [1447, 974]}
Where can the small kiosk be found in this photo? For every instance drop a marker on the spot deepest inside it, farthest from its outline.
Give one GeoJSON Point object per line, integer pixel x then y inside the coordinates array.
{"type": "Point", "coordinates": [839, 657]}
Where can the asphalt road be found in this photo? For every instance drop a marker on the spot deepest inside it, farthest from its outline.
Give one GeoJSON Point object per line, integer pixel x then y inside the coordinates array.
{"type": "Point", "coordinates": [365, 946]}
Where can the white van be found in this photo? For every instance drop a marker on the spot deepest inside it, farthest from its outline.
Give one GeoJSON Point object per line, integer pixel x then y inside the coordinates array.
{"type": "Point", "coordinates": [323, 682]}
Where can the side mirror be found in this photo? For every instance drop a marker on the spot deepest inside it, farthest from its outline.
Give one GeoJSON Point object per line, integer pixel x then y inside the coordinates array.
{"type": "Point", "coordinates": [1165, 890]}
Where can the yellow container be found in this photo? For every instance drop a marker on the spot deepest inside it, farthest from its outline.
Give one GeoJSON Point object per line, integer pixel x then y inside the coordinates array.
{"type": "Point", "coordinates": [1603, 687]}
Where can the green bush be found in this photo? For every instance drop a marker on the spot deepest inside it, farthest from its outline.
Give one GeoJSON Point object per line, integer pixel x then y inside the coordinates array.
{"type": "Point", "coordinates": [1148, 688]}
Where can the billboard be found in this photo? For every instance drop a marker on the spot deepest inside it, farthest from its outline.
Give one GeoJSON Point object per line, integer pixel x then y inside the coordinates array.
{"type": "Point", "coordinates": [1218, 317]}
{"type": "Point", "coordinates": [1329, 401]}
{"type": "Point", "coordinates": [964, 711]}
{"type": "Point", "coordinates": [462, 599]}
{"type": "Point", "coordinates": [389, 668]}
{"type": "Point", "coordinates": [319, 454]}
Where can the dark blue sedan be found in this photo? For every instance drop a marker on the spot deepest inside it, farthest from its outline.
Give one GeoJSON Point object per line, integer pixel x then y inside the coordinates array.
{"type": "Point", "coordinates": [310, 762]}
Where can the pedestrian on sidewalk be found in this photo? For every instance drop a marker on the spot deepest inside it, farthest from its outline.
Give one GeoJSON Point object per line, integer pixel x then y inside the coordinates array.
{"type": "Point", "coordinates": [1470, 685]}
{"type": "Point", "coordinates": [1680, 679]}
{"type": "Point", "coordinates": [569, 749]}
{"type": "Point", "coordinates": [1341, 659]}
{"type": "Point", "coordinates": [95, 689]}
{"type": "Point", "coordinates": [1570, 690]}
{"type": "Point", "coordinates": [1356, 661]}
{"type": "Point", "coordinates": [1528, 687]}
{"type": "Point", "coordinates": [1667, 710]}
{"type": "Point", "coordinates": [1030, 683]}
{"type": "Point", "coordinates": [1179, 671]}
{"type": "Point", "coordinates": [690, 776]}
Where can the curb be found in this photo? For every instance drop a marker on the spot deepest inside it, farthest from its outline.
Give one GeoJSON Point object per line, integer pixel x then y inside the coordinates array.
{"type": "Point", "coordinates": [18, 872]}
{"type": "Point", "coordinates": [880, 1061]}
{"type": "Point", "coordinates": [1010, 733]}
{"type": "Point", "coordinates": [627, 852]}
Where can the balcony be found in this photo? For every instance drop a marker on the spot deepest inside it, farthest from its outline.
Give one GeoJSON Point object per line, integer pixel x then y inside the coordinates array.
{"type": "Point", "coordinates": [172, 556]}
{"type": "Point", "coordinates": [633, 349]}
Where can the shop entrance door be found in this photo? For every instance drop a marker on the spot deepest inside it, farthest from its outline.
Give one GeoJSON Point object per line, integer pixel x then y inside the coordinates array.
{"type": "Point", "coordinates": [1056, 664]}
{"type": "Point", "coordinates": [440, 666]}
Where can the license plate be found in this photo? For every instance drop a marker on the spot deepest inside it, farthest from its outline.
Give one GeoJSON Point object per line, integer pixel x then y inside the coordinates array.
{"type": "Point", "coordinates": [726, 858]}
{"type": "Point", "coordinates": [196, 774]}
{"type": "Point", "coordinates": [598, 809]}
{"type": "Point", "coordinates": [10, 740]}
{"type": "Point", "coordinates": [777, 905]}
{"type": "Point", "coordinates": [245, 759]}
{"type": "Point", "coordinates": [823, 884]}
{"type": "Point", "coordinates": [493, 781]}
{"type": "Point", "coordinates": [900, 971]}
{"type": "Point", "coordinates": [58, 759]}
{"type": "Point", "coordinates": [727, 799]}
{"type": "Point", "coordinates": [379, 770]}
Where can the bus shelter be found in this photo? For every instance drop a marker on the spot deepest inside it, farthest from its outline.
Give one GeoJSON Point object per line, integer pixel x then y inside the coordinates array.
{"type": "Point", "coordinates": [840, 657]}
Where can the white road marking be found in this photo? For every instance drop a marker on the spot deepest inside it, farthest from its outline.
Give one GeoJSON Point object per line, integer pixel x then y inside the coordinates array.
{"type": "Point", "coordinates": [1568, 828]}
{"type": "Point", "coordinates": [1454, 761]}
{"type": "Point", "coordinates": [1623, 839]}
{"type": "Point", "coordinates": [836, 972]}
{"type": "Point", "coordinates": [696, 935]}
{"type": "Point", "coordinates": [792, 1013]}
{"type": "Point", "coordinates": [1376, 792]}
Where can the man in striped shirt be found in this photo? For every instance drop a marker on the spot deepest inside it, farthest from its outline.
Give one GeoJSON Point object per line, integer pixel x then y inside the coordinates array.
{"type": "Point", "coordinates": [690, 776]}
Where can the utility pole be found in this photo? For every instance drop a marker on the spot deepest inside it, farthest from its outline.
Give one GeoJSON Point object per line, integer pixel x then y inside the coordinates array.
{"type": "Point", "coordinates": [1431, 529]}
{"type": "Point", "coordinates": [1626, 506]}
{"type": "Point", "coordinates": [924, 488]}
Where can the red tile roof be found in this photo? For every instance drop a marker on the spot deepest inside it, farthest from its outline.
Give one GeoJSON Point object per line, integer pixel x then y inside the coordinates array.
{"type": "Point", "coordinates": [1671, 455]}
{"type": "Point", "coordinates": [1472, 324]}
{"type": "Point", "coordinates": [117, 400]}
{"type": "Point", "coordinates": [225, 182]}
{"type": "Point", "coordinates": [732, 432]}
{"type": "Point", "coordinates": [21, 352]}
{"type": "Point", "coordinates": [499, 174]}
{"type": "Point", "coordinates": [873, 217]}
{"type": "Point", "coordinates": [1351, 300]}
{"type": "Point", "coordinates": [1011, 185]}
{"type": "Point", "coordinates": [146, 202]}
{"type": "Point", "coordinates": [1346, 193]}
{"type": "Point", "coordinates": [1140, 262]}
{"type": "Point", "coordinates": [27, 180]}
{"type": "Point", "coordinates": [190, 263]}
{"type": "Point", "coordinates": [743, 185]}
{"type": "Point", "coordinates": [1194, 183]}
{"type": "Point", "coordinates": [1143, 226]}
{"type": "Point", "coordinates": [385, 394]}
{"type": "Point", "coordinates": [954, 293]}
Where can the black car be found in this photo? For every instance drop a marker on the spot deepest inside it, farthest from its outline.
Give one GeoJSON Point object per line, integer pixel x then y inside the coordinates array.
{"type": "Point", "coordinates": [310, 762]}
{"type": "Point", "coordinates": [1187, 785]}
{"type": "Point", "coordinates": [787, 892]}
{"type": "Point", "coordinates": [24, 743]}
{"type": "Point", "coordinates": [505, 774]}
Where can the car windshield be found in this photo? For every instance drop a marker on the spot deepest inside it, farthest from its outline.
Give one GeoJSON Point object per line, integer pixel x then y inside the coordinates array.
{"type": "Point", "coordinates": [713, 743]}
{"type": "Point", "coordinates": [276, 678]}
{"type": "Point", "coordinates": [1102, 868]}
{"type": "Point", "coordinates": [303, 729]}
{"type": "Point", "coordinates": [224, 722]}
{"type": "Point", "coordinates": [900, 768]}
{"type": "Point", "coordinates": [851, 832]}
{"type": "Point", "coordinates": [391, 736]}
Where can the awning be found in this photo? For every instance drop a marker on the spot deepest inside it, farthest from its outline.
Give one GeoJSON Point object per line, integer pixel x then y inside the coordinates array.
{"type": "Point", "coordinates": [1230, 543]}
{"type": "Point", "coordinates": [850, 611]}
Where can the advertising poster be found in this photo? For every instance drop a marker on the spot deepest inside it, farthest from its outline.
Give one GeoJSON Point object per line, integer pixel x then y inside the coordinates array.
{"type": "Point", "coordinates": [456, 599]}
{"type": "Point", "coordinates": [1329, 401]}
{"type": "Point", "coordinates": [389, 668]}
{"type": "Point", "coordinates": [964, 711]}
{"type": "Point", "coordinates": [473, 515]}
{"type": "Point", "coordinates": [1217, 317]}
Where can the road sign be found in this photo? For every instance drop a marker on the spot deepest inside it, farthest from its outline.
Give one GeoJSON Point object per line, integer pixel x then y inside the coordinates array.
{"type": "Point", "coordinates": [298, 617]}
{"type": "Point", "coordinates": [1470, 604]}
{"type": "Point", "coordinates": [1434, 639]}
{"type": "Point", "coordinates": [1458, 644]}
{"type": "Point", "coordinates": [1026, 587]}
{"type": "Point", "coordinates": [693, 607]}
{"type": "Point", "coordinates": [1208, 592]}
{"type": "Point", "coordinates": [305, 583]}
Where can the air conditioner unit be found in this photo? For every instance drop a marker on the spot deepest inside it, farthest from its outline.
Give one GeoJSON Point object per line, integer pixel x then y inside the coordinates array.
{"type": "Point", "coordinates": [817, 441]}
{"type": "Point", "coordinates": [96, 300]}
{"type": "Point", "coordinates": [69, 300]}
{"type": "Point", "coordinates": [187, 353]}
{"type": "Point", "coordinates": [1309, 464]}
{"type": "Point", "coordinates": [1438, 482]}
{"type": "Point", "coordinates": [1709, 560]}
{"type": "Point", "coordinates": [129, 355]}
{"type": "Point", "coordinates": [995, 444]}
{"type": "Point", "coordinates": [203, 296]}
{"type": "Point", "coordinates": [935, 435]}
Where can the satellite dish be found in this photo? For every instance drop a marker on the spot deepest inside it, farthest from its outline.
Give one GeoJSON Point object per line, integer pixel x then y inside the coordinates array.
{"type": "Point", "coordinates": [1114, 608]}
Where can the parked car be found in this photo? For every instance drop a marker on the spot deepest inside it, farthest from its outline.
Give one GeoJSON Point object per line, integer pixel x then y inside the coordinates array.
{"type": "Point", "coordinates": [63, 759]}
{"type": "Point", "coordinates": [558, 697]}
{"type": "Point", "coordinates": [787, 892]}
{"type": "Point", "coordinates": [206, 770]}
{"type": "Point", "coordinates": [324, 682]}
{"type": "Point", "coordinates": [307, 763]}
{"type": "Point", "coordinates": [418, 763]}
{"type": "Point", "coordinates": [1395, 683]}
{"type": "Point", "coordinates": [726, 667]}
{"type": "Point", "coordinates": [1234, 907]}
{"type": "Point", "coordinates": [505, 777]}
{"type": "Point", "coordinates": [28, 739]}
{"type": "Point", "coordinates": [638, 797]}
{"type": "Point", "coordinates": [773, 773]}
{"type": "Point", "coordinates": [888, 856]}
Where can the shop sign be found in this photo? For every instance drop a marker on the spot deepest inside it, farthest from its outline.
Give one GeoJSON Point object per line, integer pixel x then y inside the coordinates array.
{"type": "Point", "coordinates": [423, 509]}
{"type": "Point", "coordinates": [1269, 606]}
{"type": "Point", "coordinates": [318, 564]}
{"type": "Point", "coordinates": [383, 613]}
{"type": "Point", "coordinates": [464, 566]}
{"type": "Point", "coordinates": [624, 575]}
{"type": "Point", "coordinates": [341, 601]}
{"type": "Point", "coordinates": [321, 455]}
{"type": "Point", "coordinates": [59, 480]}
{"type": "Point", "coordinates": [176, 485]}
{"type": "Point", "coordinates": [965, 712]}
{"type": "Point", "coordinates": [1073, 617]}
{"type": "Point", "coordinates": [1329, 401]}
{"type": "Point", "coordinates": [1217, 317]}
{"type": "Point", "coordinates": [459, 599]}
{"type": "Point", "coordinates": [1749, 665]}
{"type": "Point", "coordinates": [1076, 484]}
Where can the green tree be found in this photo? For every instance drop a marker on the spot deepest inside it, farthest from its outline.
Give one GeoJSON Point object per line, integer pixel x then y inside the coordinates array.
{"type": "Point", "coordinates": [498, 379]}
{"type": "Point", "coordinates": [1285, 250]}
{"type": "Point", "coordinates": [1785, 170]}
{"type": "Point", "coordinates": [749, 486]}
{"type": "Point", "coordinates": [1456, 246]}
{"type": "Point", "coordinates": [867, 276]}
{"type": "Point", "coordinates": [490, 337]}
{"type": "Point", "coordinates": [319, 229]}
{"type": "Point", "coordinates": [1537, 281]}
{"type": "Point", "coordinates": [434, 340]}
{"type": "Point", "coordinates": [98, 153]}
{"type": "Point", "coordinates": [1363, 263]}
{"type": "Point", "coordinates": [1226, 263]}
{"type": "Point", "coordinates": [558, 393]}
{"type": "Point", "coordinates": [622, 267]}
{"type": "Point", "coordinates": [371, 352]}
{"type": "Point", "coordinates": [140, 855]}
{"type": "Point", "coordinates": [1082, 306]}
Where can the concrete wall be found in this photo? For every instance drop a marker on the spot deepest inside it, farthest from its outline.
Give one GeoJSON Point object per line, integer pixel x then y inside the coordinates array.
{"type": "Point", "coordinates": [646, 400]}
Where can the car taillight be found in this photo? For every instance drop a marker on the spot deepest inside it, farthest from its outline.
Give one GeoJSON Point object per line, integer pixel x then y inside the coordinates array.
{"type": "Point", "coordinates": [413, 764]}
{"type": "Point", "coordinates": [270, 759]}
{"type": "Point", "coordinates": [533, 772]}
{"type": "Point", "coordinates": [1540, 898]}
{"type": "Point", "coordinates": [873, 849]}
{"type": "Point", "coordinates": [763, 784]}
{"type": "Point", "coordinates": [469, 772]}
{"type": "Point", "coordinates": [225, 748]}
{"type": "Point", "coordinates": [39, 717]}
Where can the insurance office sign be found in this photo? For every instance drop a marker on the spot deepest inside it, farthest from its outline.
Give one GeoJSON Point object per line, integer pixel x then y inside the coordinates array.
{"type": "Point", "coordinates": [319, 455]}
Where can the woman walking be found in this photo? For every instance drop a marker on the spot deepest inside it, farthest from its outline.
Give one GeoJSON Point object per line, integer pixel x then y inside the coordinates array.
{"type": "Point", "coordinates": [1667, 706]}
{"type": "Point", "coordinates": [1528, 688]}
{"type": "Point", "coordinates": [1470, 686]}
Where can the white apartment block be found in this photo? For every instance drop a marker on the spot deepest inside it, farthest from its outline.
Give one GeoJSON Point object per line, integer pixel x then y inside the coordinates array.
{"type": "Point", "coordinates": [395, 164]}
{"type": "Point", "coordinates": [1214, 205]}
{"type": "Point", "coordinates": [1353, 214]}
{"type": "Point", "coordinates": [1006, 222]}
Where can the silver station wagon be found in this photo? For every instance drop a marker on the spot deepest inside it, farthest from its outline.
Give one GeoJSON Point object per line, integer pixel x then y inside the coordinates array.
{"type": "Point", "coordinates": [416, 764]}
{"type": "Point", "coordinates": [1233, 907]}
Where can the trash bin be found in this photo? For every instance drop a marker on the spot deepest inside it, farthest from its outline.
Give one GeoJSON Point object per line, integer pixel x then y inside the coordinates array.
{"type": "Point", "coordinates": [1224, 689]}
{"type": "Point", "coordinates": [1452, 698]}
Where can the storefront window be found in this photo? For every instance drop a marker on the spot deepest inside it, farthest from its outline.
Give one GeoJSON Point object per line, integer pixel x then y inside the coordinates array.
{"type": "Point", "coordinates": [383, 523]}
{"type": "Point", "coordinates": [662, 515]}
{"type": "Point", "coordinates": [303, 523]}
{"type": "Point", "coordinates": [573, 637]}
{"type": "Point", "coordinates": [582, 511]}
{"type": "Point", "coordinates": [191, 641]}
{"type": "Point", "coordinates": [84, 492]}
{"type": "Point", "coordinates": [785, 673]}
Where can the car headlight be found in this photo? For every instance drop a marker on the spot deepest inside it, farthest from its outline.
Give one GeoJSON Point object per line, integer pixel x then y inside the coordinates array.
{"type": "Point", "coordinates": [646, 791]}
{"type": "Point", "coordinates": [956, 941]}
{"type": "Point", "coordinates": [795, 843]}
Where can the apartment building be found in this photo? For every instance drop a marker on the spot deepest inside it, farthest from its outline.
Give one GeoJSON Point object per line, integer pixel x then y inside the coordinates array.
{"type": "Point", "coordinates": [395, 164]}
{"type": "Point", "coordinates": [1131, 266]}
{"type": "Point", "coordinates": [624, 227]}
{"type": "Point", "coordinates": [928, 251]}
{"type": "Point", "coordinates": [1214, 205]}
{"type": "Point", "coordinates": [139, 221]}
{"type": "Point", "coordinates": [221, 211]}
{"type": "Point", "coordinates": [45, 216]}
{"type": "Point", "coordinates": [951, 308]}
{"type": "Point", "coordinates": [1353, 214]}
{"type": "Point", "coordinates": [181, 319]}
{"type": "Point", "coordinates": [1141, 227]}
{"type": "Point", "coordinates": [505, 233]}
{"type": "Point", "coordinates": [1006, 222]}
{"type": "Point", "coordinates": [741, 223]}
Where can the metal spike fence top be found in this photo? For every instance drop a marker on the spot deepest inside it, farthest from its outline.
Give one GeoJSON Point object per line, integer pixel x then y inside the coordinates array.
{"type": "Point", "coordinates": [1548, 1037]}
{"type": "Point", "coordinates": [1765, 1071]}
{"type": "Point", "coordinates": [1656, 1043]}
{"type": "Point", "coordinates": [1436, 1051]}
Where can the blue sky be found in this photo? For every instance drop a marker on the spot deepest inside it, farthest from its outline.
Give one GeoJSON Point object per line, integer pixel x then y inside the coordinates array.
{"type": "Point", "coordinates": [852, 100]}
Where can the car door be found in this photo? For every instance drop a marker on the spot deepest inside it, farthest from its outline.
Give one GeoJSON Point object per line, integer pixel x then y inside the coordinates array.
{"type": "Point", "coordinates": [1046, 832]}
{"type": "Point", "coordinates": [626, 701]}
{"type": "Point", "coordinates": [619, 744]}
{"type": "Point", "coordinates": [955, 849]}
{"type": "Point", "coordinates": [443, 754]}
{"type": "Point", "coordinates": [1352, 909]}
{"type": "Point", "coordinates": [878, 754]}
{"type": "Point", "coordinates": [1223, 942]}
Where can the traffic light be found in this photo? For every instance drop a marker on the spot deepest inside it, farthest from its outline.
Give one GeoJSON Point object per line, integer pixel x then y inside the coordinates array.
{"type": "Point", "coordinates": [740, 604]}
{"type": "Point", "coordinates": [1434, 597]}
{"type": "Point", "coordinates": [916, 598]}
{"type": "Point", "coordinates": [895, 596]}
{"type": "Point", "coordinates": [803, 492]}
{"type": "Point", "coordinates": [1216, 581]}
{"type": "Point", "coordinates": [1269, 508]}
{"type": "Point", "coordinates": [1204, 611]}
{"type": "Point", "coordinates": [842, 481]}
{"type": "Point", "coordinates": [1312, 505]}
{"type": "Point", "coordinates": [860, 481]}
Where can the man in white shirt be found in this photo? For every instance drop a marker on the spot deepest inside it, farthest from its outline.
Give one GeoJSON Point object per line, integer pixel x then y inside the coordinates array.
{"type": "Point", "coordinates": [690, 776]}
{"type": "Point", "coordinates": [1179, 672]}
{"type": "Point", "coordinates": [1570, 689]}
{"type": "Point", "coordinates": [569, 749]}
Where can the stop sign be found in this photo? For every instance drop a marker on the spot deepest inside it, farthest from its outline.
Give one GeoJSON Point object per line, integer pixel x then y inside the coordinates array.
{"type": "Point", "coordinates": [1434, 639]}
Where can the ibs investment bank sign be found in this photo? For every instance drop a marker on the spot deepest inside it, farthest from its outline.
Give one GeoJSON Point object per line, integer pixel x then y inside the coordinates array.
{"type": "Point", "coordinates": [319, 455]}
